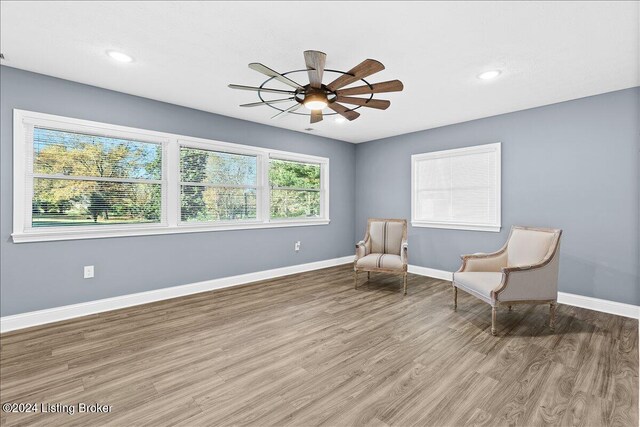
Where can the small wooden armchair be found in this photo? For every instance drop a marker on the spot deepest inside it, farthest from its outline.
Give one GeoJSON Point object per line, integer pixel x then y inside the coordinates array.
{"type": "Point", "coordinates": [524, 271]}
{"type": "Point", "coordinates": [384, 249]}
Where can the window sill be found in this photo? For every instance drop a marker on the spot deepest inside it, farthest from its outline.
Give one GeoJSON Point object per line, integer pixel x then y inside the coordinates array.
{"type": "Point", "coordinates": [48, 236]}
{"type": "Point", "coordinates": [453, 226]}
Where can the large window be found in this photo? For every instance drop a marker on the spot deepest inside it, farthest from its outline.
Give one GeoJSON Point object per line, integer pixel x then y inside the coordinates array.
{"type": "Point", "coordinates": [79, 179]}
{"type": "Point", "coordinates": [217, 186]}
{"type": "Point", "coordinates": [83, 179]}
{"type": "Point", "coordinates": [458, 189]}
{"type": "Point", "coordinates": [295, 189]}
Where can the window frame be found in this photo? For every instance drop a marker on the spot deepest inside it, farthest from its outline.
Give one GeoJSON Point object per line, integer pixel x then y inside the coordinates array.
{"type": "Point", "coordinates": [324, 184]}
{"type": "Point", "coordinates": [24, 121]}
{"type": "Point", "coordinates": [219, 147]}
{"type": "Point", "coordinates": [457, 225]}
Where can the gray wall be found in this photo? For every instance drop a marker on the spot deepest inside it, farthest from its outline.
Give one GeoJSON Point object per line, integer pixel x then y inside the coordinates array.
{"type": "Point", "coordinates": [42, 275]}
{"type": "Point", "coordinates": [573, 165]}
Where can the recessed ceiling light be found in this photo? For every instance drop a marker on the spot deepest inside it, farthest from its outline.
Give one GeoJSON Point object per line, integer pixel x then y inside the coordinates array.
{"type": "Point", "coordinates": [340, 119]}
{"type": "Point", "coordinates": [119, 56]}
{"type": "Point", "coordinates": [488, 75]}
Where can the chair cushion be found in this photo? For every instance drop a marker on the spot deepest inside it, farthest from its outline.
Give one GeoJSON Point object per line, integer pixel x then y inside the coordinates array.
{"type": "Point", "coordinates": [380, 261]}
{"type": "Point", "coordinates": [479, 284]}
{"type": "Point", "coordinates": [386, 237]}
{"type": "Point", "coordinates": [527, 247]}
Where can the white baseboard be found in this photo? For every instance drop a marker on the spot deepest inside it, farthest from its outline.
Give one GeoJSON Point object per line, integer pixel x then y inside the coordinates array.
{"type": "Point", "coordinates": [41, 317]}
{"type": "Point", "coordinates": [603, 305]}
{"type": "Point", "coordinates": [596, 304]}
{"type": "Point", "coordinates": [431, 272]}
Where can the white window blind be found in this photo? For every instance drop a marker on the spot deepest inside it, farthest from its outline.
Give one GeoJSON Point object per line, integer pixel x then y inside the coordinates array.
{"type": "Point", "coordinates": [217, 186]}
{"type": "Point", "coordinates": [458, 189]}
{"type": "Point", "coordinates": [80, 179]}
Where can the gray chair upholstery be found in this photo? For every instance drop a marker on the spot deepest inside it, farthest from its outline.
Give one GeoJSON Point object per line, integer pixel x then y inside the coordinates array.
{"type": "Point", "coordinates": [384, 249]}
{"type": "Point", "coordinates": [524, 271]}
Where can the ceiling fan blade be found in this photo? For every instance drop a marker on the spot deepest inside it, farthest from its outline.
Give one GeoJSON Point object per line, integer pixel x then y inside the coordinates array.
{"type": "Point", "coordinates": [262, 89]}
{"type": "Point", "coordinates": [275, 101]}
{"type": "Point", "coordinates": [316, 116]}
{"type": "Point", "coordinates": [390, 86]}
{"type": "Point", "coordinates": [288, 110]}
{"type": "Point", "coordinates": [360, 71]}
{"type": "Point", "coordinates": [315, 61]}
{"type": "Point", "coordinates": [380, 104]}
{"type": "Point", "coordinates": [344, 111]}
{"type": "Point", "coordinates": [271, 73]}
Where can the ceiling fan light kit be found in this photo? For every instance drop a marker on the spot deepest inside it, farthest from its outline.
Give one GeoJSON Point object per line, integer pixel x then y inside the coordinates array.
{"type": "Point", "coordinates": [315, 99]}
{"type": "Point", "coordinates": [317, 96]}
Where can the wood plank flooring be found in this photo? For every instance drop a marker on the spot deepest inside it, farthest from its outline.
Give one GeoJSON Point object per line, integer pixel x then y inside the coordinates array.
{"type": "Point", "coordinates": [308, 350]}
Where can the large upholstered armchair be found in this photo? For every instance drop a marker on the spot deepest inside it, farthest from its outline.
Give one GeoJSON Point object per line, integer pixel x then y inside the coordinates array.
{"type": "Point", "coordinates": [383, 249]}
{"type": "Point", "coordinates": [524, 271]}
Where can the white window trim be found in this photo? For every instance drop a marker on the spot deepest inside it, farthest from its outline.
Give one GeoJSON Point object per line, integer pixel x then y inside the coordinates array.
{"type": "Point", "coordinates": [170, 219]}
{"type": "Point", "coordinates": [496, 148]}
{"type": "Point", "coordinates": [324, 181]}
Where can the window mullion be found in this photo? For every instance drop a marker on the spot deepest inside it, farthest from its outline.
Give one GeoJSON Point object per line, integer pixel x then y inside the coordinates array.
{"type": "Point", "coordinates": [172, 183]}
{"type": "Point", "coordinates": [264, 192]}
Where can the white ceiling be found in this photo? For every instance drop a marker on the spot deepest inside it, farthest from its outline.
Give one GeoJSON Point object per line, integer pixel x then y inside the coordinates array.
{"type": "Point", "coordinates": [187, 53]}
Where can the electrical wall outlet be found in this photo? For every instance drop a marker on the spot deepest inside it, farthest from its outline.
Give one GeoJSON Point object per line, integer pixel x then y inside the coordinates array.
{"type": "Point", "coordinates": [296, 246]}
{"type": "Point", "coordinates": [88, 271]}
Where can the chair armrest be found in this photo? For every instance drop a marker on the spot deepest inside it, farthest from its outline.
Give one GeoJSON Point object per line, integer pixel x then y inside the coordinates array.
{"type": "Point", "coordinates": [513, 269]}
{"type": "Point", "coordinates": [404, 249]}
{"type": "Point", "coordinates": [361, 250]}
{"type": "Point", "coordinates": [491, 262]}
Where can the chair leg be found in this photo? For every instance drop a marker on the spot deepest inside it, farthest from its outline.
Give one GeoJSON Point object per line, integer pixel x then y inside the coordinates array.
{"type": "Point", "coordinates": [355, 279]}
{"type": "Point", "coordinates": [493, 320]}
{"type": "Point", "coordinates": [368, 276]}
{"type": "Point", "coordinates": [455, 298]}
{"type": "Point", "coordinates": [405, 283]}
{"type": "Point", "coordinates": [552, 316]}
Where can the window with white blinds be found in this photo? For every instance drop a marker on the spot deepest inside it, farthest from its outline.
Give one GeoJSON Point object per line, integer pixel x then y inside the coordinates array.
{"type": "Point", "coordinates": [82, 179]}
{"type": "Point", "coordinates": [217, 186]}
{"type": "Point", "coordinates": [78, 179]}
{"type": "Point", "coordinates": [457, 189]}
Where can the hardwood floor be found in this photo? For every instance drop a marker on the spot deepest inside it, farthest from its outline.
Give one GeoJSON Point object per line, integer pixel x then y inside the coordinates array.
{"type": "Point", "coordinates": [308, 349]}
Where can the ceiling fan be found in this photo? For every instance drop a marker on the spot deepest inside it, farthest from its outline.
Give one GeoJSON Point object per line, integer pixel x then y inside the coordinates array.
{"type": "Point", "coordinates": [317, 96]}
